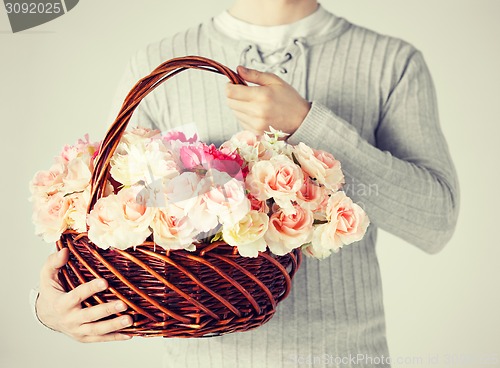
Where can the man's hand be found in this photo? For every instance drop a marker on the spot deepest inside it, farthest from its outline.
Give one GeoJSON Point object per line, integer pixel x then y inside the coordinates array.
{"type": "Point", "coordinates": [62, 311]}
{"type": "Point", "coordinates": [273, 102]}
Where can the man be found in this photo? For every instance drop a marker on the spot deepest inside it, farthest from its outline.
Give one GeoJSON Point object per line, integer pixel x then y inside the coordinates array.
{"type": "Point", "coordinates": [366, 98]}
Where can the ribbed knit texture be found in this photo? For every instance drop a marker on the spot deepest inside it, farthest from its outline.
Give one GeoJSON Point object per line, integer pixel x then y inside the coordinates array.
{"type": "Point", "coordinates": [374, 109]}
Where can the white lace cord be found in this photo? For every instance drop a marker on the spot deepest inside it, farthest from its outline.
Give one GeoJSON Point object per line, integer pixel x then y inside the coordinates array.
{"type": "Point", "coordinates": [279, 64]}
{"type": "Point", "coordinates": [262, 66]}
{"type": "Point", "coordinates": [243, 56]}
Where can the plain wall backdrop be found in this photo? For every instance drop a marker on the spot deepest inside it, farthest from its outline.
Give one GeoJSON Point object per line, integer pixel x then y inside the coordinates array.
{"type": "Point", "coordinates": [57, 82]}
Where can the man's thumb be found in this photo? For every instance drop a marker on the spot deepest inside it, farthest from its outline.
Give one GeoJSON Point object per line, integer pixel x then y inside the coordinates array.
{"type": "Point", "coordinates": [54, 262]}
{"type": "Point", "coordinates": [254, 76]}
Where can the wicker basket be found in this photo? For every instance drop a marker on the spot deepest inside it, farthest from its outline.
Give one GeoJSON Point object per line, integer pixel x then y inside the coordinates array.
{"type": "Point", "coordinates": [208, 292]}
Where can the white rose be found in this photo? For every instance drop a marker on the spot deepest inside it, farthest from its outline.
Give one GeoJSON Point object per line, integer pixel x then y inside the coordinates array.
{"type": "Point", "coordinates": [141, 162]}
{"type": "Point", "coordinates": [183, 190]}
{"type": "Point", "coordinates": [78, 174]}
{"type": "Point", "coordinates": [225, 196]}
{"type": "Point", "coordinates": [248, 234]}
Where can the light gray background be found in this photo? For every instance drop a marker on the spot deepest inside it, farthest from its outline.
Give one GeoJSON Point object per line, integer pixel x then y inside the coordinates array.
{"type": "Point", "coordinates": [57, 82]}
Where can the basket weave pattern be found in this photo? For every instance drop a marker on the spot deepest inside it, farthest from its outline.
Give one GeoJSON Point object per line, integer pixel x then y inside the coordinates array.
{"type": "Point", "coordinates": [210, 291]}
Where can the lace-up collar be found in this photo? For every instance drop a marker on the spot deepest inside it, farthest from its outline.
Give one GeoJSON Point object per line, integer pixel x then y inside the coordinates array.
{"type": "Point", "coordinates": [289, 61]}
{"type": "Point", "coordinates": [270, 38]}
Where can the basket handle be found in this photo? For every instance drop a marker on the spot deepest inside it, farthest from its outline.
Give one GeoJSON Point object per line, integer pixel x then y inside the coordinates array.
{"type": "Point", "coordinates": [142, 88]}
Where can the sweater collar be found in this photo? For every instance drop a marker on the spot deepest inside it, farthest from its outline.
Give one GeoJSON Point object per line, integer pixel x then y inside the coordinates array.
{"type": "Point", "coordinates": [275, 37]}
{"type": "Point", "coordinates": [340, 26]}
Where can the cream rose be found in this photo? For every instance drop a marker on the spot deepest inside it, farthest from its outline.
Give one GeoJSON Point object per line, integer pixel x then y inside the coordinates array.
{"type": "Point", "coordinates": [50, 216]}
{"type": "Point", "coordinates": [173, 230]}
{"type": "Point", "coordinates": [287, 232]}
{"type": "Point", "coordinates": [77, 214]}
{"type": "Point", "coordinates": [320, 165]}
{"type": "Point", "coordinates": [120, 221]}
{"type": "Point", "coordinates": [248, 234]}
{"type": "Point", "coordinates": [48, 182]}
{"type": "Point", "coordinates": [249, 147]}
{"type": "Point", "coordinates": [138, 135]}
{"type": "Point", "coordinates": [324, 241]}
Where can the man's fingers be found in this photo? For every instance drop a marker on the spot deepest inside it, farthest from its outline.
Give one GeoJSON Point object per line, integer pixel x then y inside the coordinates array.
{"type": "Point", "coordinates": [260, 78]}
{"type": "Point", "coordinates": [105, 327]}
{"type": "Point", "coordinates": [240, 106]}
{"type": "Point", "coordinates": [97, 312]}
{"type": "Point", "coordinates": [106, 338]}
{"type": "Point", "coordinates": [53, 263]}
{"type": "Point", "coordinates": [76, 296]}
{"type": "Point", "coordinates": [247, 123]}
{"type": "Point", "coordinates": [240, 92]}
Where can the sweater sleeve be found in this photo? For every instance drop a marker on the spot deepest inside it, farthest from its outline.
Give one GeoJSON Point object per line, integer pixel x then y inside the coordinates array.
{"type": "Point", "coordinates": [33, 296]}
{"type": "Point", "coordinates": [406, 182]}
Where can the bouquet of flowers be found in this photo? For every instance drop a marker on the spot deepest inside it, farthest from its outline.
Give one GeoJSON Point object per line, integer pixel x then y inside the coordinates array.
{"type": "Point", "coordinates": [251, 193]}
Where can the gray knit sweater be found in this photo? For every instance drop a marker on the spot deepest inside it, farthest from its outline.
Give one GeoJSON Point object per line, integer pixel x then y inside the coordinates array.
{"type": "Point", "coordinates": [374, 108]}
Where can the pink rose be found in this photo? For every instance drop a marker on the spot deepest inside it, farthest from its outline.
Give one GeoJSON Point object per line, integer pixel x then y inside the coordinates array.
{"type": "Point", "coordinates": [48, 182]}
{"type": "Point", "coordinates": [320, 212]}
{"type": "Point", "coordinates": [320, 165]}
{"type": "Point", "coordinates": [278, 178]}
{"type": "Point", "coordinates": [224, 160]}
{"type": "Point", "coordinates": [179, 136]}
{"type": "Point", "coordinates": [83, 147]}
{"type": "Point", "coordinates": [202, 157]}
{"type": "Point", "coordinates": [347, 224]}
{"type": "Point", "coordinates": [50, 217]}
{"type": "Point", "coordinates": [193, 156]}
{"type": "Point", "coordinates": [257, 205]}
{"type": "Point", "coordinates": [350, 220]}
{"type": "Point", "coordinates": [287, 232]}
{"type": "Point", "coordinates": [311, 195]}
